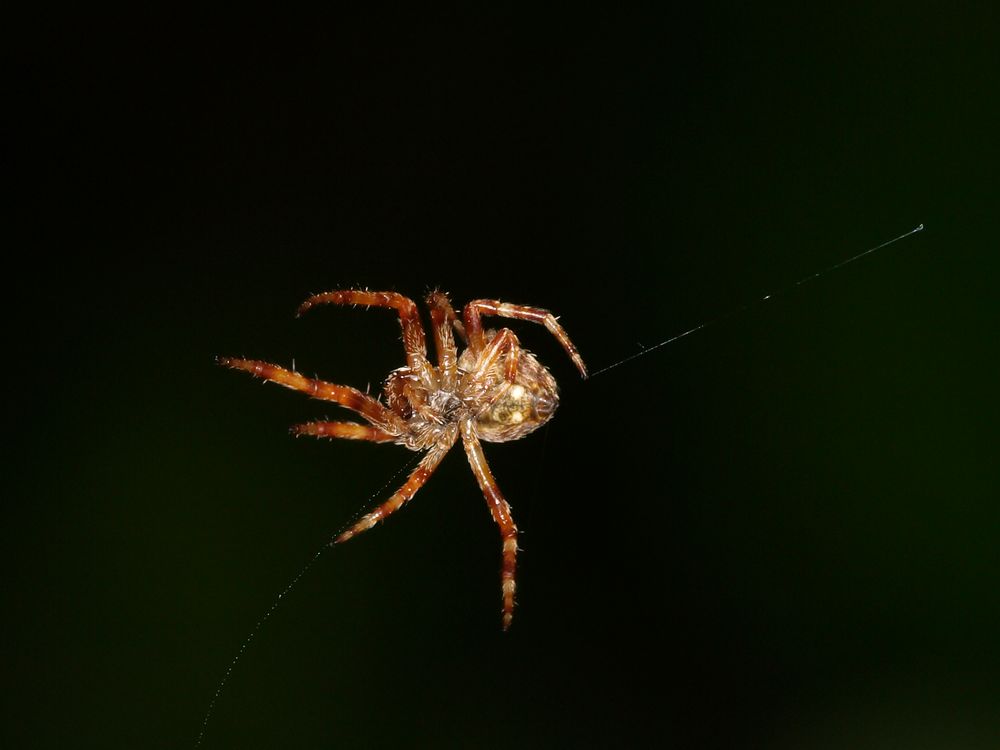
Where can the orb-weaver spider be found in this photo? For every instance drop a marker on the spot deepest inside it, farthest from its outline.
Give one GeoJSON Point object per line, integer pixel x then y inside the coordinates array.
{"type": "Point", "coordinates": [494, 391]}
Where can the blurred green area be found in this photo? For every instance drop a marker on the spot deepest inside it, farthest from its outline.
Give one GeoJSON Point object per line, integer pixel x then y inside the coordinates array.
{"type": "Point", "coordinates": [779, 532]}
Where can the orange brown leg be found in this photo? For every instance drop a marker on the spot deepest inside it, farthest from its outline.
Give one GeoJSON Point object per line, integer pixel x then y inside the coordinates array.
{"type": "Point", "coordinates": [440, 301]}
{"type": "Point", "coordinates": [474, 326]}
{"type": "Point", "coordinates": [442, 320]}
{"type": "Point", "coordinates": [505, 342]}
{"type": "Point", "coordinates": [500, 510]}
{"type": "Point", "coordinates": [346, 430]}
{"type": "Point", "coordinates": [414, 341]}
{"type": "Point", "coordinates": [344, 395]}
{"type": "Point", "coordinates": [414, 482]}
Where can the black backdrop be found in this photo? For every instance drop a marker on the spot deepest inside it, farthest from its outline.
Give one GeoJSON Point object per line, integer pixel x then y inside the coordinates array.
{"type": "Point", "coordinates": [781, 531]}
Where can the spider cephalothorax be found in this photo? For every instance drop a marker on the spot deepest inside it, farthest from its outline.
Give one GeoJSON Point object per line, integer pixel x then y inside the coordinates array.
{"type": "Point", "coordinates": [495, 391]}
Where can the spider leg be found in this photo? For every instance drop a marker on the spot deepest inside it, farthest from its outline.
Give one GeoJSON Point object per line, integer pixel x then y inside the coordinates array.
{"type": "Point", "coordinates": [347, 430]}
{"type": "Point", "coordinates": [442, 320]}
{"type": "Point", "coordinates": [348, 397]}
{"type": "Point", "coordinates": [440, 300]}
{"type": "Point", "coordinates": [474, 326]}
{"type": "Point", "coordinates": [414, 341]}
{"type": "Point", "coordinates": [414, 482]}
{"type": "Point", "coordinates": [504, 342]}
{"type": "Point", "coordinates": [500, 510]}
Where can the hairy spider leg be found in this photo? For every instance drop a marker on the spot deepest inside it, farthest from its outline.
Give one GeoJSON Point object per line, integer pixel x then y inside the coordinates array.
{"type": "Point", "coordinates": [350, 398]}
{"type": "Point", "coordinates": [500, 510]}
{"type": "Point", "coordinates": [442, 319]}
{"type": "Point", "coordinates": [414, 341]}
{"type": "Point", "coordinates": [414, 482]}
{"type": "Point", "coordinates": [504, 342]}
{"type": "Point", "coordinates": [474, 326]}
{"type": "Point", "coordinates": [438, 299]}
{"type": "Point", "coordinates": [346, 430]}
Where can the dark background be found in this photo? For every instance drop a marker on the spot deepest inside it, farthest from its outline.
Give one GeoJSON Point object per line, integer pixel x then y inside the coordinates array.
{"type": "Point", "coordinates": [779, 532]}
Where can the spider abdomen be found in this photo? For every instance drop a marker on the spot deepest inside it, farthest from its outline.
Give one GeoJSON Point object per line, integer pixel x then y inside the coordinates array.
{"type": "Point", "coordinates": [518, 408]}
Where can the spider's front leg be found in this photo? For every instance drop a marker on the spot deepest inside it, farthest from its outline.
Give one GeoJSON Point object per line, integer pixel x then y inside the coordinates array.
{"type": "Point", "coordinates": [500, 510]}
{"type": "Point", "coordinates": [414, 340]}
{"type": "Point", "coordinates": [443, 320]}
{"type": "Point", "coordinates": [345, 430]}
{"type": "Point", "coordinates": [350, 398]}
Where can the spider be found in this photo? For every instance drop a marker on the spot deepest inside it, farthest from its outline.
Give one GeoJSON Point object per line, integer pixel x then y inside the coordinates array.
{"type": "Point", "coordinates": [494, 391]}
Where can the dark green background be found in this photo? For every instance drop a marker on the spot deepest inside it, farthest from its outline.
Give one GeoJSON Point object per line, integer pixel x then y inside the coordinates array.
{"type": "Point", "coordinates": [781, 532]}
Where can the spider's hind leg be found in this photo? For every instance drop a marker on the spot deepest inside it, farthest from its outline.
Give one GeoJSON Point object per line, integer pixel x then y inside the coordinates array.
{"type": "Point", "coordinates": [500, 510]}
{"type": "Point", "coordinates": [503, 343]}
{"type": "Point", "coordinates": [474, 327]}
